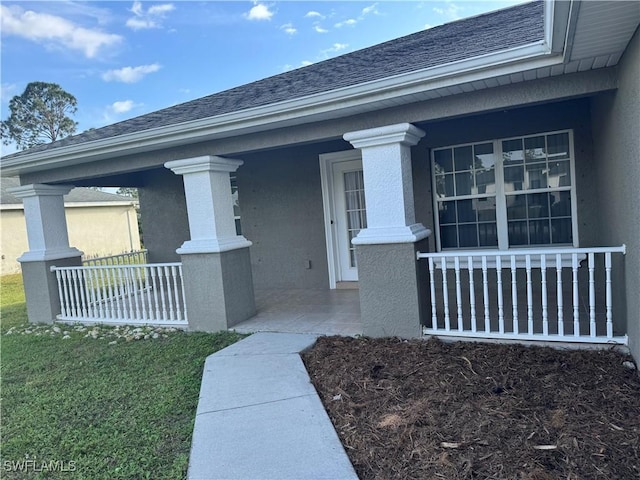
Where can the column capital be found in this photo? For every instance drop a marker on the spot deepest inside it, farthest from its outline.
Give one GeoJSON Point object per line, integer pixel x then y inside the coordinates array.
{"type": "Point", "coordinates": [39, 190]}
{"type": "Point", "coordinates": [205, 163]}
{"type": "Point", "coordinates": [401, 133]}
{"type": "Point", "coordinates": [46, 222]}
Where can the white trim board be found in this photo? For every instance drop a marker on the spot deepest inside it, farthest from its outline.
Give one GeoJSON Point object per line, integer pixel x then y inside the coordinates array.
{"type": "Point", "coordinates": [326, 162]}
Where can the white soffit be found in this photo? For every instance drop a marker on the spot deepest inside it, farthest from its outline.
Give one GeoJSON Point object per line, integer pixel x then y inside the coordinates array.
{"type": "Point", "coordinates": [604, 28]}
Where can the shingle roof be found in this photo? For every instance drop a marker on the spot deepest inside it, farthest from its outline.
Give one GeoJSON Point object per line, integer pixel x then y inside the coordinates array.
{"type": "Point", "coordinates": [463, 39]}
{"type": "Point", "coordinates": [77, 195]}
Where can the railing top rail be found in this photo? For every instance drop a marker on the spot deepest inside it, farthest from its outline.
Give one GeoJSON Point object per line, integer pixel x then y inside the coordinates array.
{"type": "Point", "coordinates": [522, 252]}
{"type": "Point", "coordinates": [125, 254]}
{"type": "Point", "coordinates": [111, 267]}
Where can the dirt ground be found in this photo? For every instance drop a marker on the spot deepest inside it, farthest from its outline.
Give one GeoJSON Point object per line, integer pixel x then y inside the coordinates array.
{"type": "Point", "coordinates": [434, 410]}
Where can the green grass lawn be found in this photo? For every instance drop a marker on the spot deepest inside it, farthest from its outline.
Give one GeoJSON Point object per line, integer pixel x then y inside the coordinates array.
{"type": "Point", "coordinates": [103, 408]}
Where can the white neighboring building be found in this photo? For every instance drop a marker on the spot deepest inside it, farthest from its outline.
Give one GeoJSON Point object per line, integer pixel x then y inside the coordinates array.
{"type": "Point", "coordinates": [99, 224]}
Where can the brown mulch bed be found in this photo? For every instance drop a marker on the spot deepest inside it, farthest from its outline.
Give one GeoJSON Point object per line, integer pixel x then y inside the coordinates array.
{"type": "Point", "coordinates": [434, 410]}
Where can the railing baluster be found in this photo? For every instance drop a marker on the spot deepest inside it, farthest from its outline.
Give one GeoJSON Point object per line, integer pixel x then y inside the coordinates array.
{"type": "Point", "coordinates": [500, 295]}
{"type": "Point", "coordinates": [485, 294]}
{"type": "Point", "coordinates": [154, 275]}
{"type": "Point", "coordinates": [162, 300]}
{"type": "Point", "coordinates": [184, 297]}
{"type": "Point", "coordinates": [167, 274]}
{"type": "Point", "coordinates": [121, 305]}
{"type": "Point", "coordinates": [529, 295]}
{"type": "Point", "coordinates": [576, 295]}
{"type": "Point", "coordinates": [559, 294]}
{"type": "Point", "coordinates": [432, 287]}
{"type": "Point", "coordinates": [456, 266]}
{"type": "Point", "coordinates": [472, 295]}
{"type": "Point", "coordinates": [175, 291]}
{"type": "Point", "coordinates": [514, 294]}
{"type": "Point", "coordinates": [60, 295]}
{"type": "Point", "coordinates": [607, 269]}
{"type": "Point", "coordinates": [592, 295]}
{"type": "Point", "coordinates": [445, 295]}
{"type": "Point", "coordinates": [135, 285]}
{"type": "Point", "coordinates": [77, 302]}
{"type": "Point", "coordinates": [543, 280]}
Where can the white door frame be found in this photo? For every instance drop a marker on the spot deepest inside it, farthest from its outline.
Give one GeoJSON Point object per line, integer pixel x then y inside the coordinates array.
{"type": "Point", "coordinates": [327, 161]}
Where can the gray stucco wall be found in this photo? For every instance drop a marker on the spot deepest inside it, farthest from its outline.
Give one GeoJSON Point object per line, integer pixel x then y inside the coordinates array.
{"type": "Point", "coordinates": [163, 209]}
{"type": "Point", "coordinates": [280, 198]}
{"type": "Point", "coordinates": [616, 129]}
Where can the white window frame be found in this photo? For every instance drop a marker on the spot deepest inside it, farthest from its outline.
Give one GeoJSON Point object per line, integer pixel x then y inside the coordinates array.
{"type": "Point", "coordinates": [501, 195]}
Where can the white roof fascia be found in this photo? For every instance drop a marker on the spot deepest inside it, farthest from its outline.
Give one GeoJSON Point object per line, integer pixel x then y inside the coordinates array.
{"type": "Point", "coordinates": [118, 203]}
{"type": "Point", "coordinates": [517, 59]}
{"type": "Point", "coordinates": [12, 206]}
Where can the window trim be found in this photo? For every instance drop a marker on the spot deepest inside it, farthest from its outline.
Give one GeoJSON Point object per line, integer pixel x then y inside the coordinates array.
{"type": "Point", "coordinates": [501, 196]}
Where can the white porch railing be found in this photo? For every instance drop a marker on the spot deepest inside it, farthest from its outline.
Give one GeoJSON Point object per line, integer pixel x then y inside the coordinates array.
{"type": "Point", "coordinates": [145, 294]}
{"type": "Point", "coordinates": [129, 258]}
{"type": "Point", "coordinates": [524, 294]}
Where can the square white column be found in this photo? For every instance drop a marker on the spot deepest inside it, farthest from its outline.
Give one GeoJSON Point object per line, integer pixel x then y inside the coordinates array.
{"type": "Point", "coordinates": [388, 184]}
{"type": "Point", "coordinates": [46, 222]}
{"type": "Point", "coordinates": [209, 204]}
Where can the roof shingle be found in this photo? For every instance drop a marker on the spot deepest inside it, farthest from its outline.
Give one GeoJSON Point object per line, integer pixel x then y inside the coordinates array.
{"type": "Point", "coordinates": [460, 40]}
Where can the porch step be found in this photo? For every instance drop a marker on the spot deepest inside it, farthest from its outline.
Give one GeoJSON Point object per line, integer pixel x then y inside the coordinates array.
{"type": "Point", "coordinates": [259, 416]}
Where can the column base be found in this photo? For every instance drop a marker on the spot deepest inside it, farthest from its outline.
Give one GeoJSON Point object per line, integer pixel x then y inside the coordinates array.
{"type": "Point", "coordinates": [218, 289]}
{"type": "Point", "coordinates": [391, 284]}
{"type": "Point", "coordinates": [41, 287]}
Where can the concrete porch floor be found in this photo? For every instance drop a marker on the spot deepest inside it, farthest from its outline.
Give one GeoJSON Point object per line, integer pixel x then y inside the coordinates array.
{"type": "Point", "coordinates": [320, 312]}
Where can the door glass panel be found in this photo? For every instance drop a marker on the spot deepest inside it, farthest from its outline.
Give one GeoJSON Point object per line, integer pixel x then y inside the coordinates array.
{"type": "Point", "coordinates": [356, 213]}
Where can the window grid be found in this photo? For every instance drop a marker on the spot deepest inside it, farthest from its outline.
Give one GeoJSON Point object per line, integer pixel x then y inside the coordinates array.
{"type": "Point", "coordinates": [525, 170]}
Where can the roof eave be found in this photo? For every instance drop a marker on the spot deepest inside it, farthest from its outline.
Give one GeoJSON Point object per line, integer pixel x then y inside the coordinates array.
{"type": "Point", "coordinates": [304, 109]}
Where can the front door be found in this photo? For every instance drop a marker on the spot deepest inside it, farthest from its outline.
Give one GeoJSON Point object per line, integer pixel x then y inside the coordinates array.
{"type": "Point", "coordinates": [345, 212]}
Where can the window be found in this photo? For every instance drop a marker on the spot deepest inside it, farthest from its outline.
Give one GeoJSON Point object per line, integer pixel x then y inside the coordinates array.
{"type": "Point", "coordinates": [236, 205]}
{"type": "Point", "coordinates": [505, 193]}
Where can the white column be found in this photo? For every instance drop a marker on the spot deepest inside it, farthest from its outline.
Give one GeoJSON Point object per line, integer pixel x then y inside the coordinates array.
{"type": "Point", "coordinates": [388, 184]}
{"type": "Point", "coordinates": [46, 222]}
{"type": "Point", "coordinates": [207, 189]}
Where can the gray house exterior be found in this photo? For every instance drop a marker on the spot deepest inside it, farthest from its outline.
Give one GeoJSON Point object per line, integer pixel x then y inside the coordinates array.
{"type": "Point", "coordinates": [383, 134]}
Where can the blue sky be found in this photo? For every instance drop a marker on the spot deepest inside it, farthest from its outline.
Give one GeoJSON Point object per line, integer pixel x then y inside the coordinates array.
{"type": "Point", "coordinates": [122, 59]}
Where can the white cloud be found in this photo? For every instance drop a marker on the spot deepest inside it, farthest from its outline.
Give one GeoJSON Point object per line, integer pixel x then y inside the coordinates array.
{"type": "Point", "coordinates": [117, 110]}
{"type": "Point", "coordinates": [122, 106]}
{"type": "Point", "coordinates": [371, 9]}
{"type": "Point", "coordinates": [451, 12]}
{"type": "Point", "coordinates": [314, 14]}
{"type": "Point", "coordinates": [130, 74]}
{"type": "Point", "coordinates": [54, 31]}
{"type": "Point", "coordinates": [335, 48]}
{"type": "Point", "coordinates": [319, 29]}
{"type": "Point", "coordinates": [152, 18]}
{"type": "Point", "coordinates": [289, 29]}
{"type": "Point", "coordinates": [306, 63]}
{"type": "Point", "coordinates": [348, 23]}
{"type": "Point", "coordinates": [259, 11]}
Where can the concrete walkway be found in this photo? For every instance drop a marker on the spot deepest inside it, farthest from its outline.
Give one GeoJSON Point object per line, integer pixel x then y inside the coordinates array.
{"type": "Point", "coordinates": [260, 418]}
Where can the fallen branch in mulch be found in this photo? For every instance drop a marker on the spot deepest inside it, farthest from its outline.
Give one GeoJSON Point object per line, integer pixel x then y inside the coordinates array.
{"type": "Point", "coordinates": [434, 410]}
